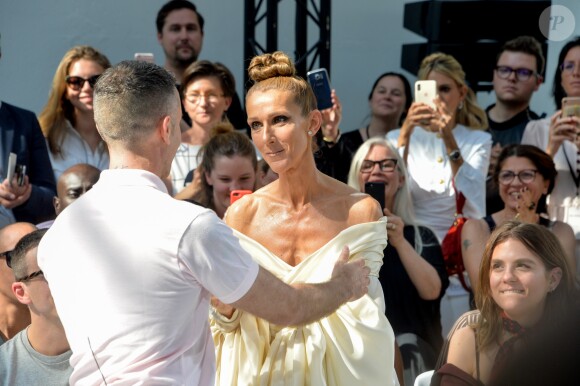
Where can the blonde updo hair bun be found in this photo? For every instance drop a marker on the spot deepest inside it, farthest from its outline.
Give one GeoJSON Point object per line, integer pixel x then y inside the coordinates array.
{"type": "Point", "coordinates": [221, 128]}
{"type": "Point", "coordinates": [272, 65]}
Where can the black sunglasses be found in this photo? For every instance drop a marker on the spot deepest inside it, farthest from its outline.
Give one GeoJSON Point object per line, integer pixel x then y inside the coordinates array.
{"type": "Point", "coordinates": [8, 256]}
{"type": "Point", "coordinates": [77, 83]}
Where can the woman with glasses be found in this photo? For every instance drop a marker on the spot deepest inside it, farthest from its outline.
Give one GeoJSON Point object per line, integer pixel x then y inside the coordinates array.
{"type": "Point", "coordinates": [413, 275]}
{"type": "Point", "coordinates": [206, 91]}
{"type": "Point", "coordinates": [525, 175]}
{"type": "Point", "coordinates": [559, 136]}
{"type": "Point", "coordinates": [67, 120]}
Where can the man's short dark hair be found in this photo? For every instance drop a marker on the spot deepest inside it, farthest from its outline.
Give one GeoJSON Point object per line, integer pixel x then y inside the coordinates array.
{"type": "Point", "coordinates": [528, 45]}
{"type": "Point", "coordinates": [25, 244]}
{"type": "Point", "coordinates": [175, 5]}
{"type": "Point", "coordinates": [130, 98]}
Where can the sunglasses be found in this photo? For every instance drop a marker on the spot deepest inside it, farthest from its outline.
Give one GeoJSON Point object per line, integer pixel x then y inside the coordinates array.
{"type": "Point", "coordinates": [77, 83]}
{"type": "Point", "coordinates": [8, 256]}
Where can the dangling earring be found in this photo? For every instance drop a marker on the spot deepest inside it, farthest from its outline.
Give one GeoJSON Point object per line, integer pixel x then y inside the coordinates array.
{"type": "Point", "coordinates": [310, 133]}
{"type": "Point", "coordinates": [460, 105]}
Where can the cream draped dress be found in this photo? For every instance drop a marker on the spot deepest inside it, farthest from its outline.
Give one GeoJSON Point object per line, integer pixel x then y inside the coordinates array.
{"type": "Point", "coordinates": [352, 347]}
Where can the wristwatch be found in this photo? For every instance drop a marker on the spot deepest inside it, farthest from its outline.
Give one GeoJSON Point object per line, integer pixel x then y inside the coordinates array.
{"type": "Point", "coordinates": [454, 155]}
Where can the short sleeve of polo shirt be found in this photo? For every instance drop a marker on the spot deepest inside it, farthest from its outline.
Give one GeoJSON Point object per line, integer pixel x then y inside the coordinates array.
{"type": "Point", "coordinates": [210, 253]}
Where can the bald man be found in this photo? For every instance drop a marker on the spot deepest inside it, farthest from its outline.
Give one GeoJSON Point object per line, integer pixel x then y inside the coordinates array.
{"type": "Point", "coordinates": [14, 316]}
{"type": "Point", "coordinates": [73, 183]}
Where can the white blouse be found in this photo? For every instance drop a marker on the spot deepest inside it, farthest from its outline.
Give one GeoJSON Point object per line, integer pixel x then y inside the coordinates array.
{"type": "Point", "coordinates": [75, 150]}
{"type": "Point", "coordinates": [430, 175]}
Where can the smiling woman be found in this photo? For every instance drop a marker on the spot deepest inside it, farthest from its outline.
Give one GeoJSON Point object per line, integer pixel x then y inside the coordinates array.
{"type": "Point", "coordinates": [67, 120]}
{"type": "Point", "coordinates": [293, 227]}
{"type": "Point", "coordinates": [525, 285]}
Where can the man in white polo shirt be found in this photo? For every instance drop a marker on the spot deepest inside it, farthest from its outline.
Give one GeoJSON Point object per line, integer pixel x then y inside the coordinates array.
{"type": "Point", "coordinates": [131, 269]}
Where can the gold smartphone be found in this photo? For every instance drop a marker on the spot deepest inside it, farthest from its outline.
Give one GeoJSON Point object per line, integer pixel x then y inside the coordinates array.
{"type": "Point", "coordinates": [571, 107]}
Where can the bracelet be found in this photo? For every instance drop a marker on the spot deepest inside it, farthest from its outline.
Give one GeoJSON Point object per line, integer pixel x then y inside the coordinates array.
{"type": "Point", "coordinates": [224, 323]}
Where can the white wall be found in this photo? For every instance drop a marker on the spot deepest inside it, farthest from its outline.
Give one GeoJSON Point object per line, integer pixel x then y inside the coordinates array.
{"type": "Point", "coordinates": [367, 36]}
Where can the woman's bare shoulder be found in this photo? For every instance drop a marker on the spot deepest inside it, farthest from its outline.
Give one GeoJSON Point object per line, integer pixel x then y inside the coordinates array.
{"type": "Point", "coordinates": [462, 349]}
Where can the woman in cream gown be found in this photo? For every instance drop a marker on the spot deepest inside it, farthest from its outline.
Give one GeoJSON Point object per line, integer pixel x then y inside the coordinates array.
{"type": "Point", "coordinates": [294, 227]}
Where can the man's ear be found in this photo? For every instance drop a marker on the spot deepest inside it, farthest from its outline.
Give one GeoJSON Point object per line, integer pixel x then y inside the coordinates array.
{"type": "Point", "coordinates": [165, 129]}
{"type": "Point", "coordinates": [56, 204]}
{"type": "Point", "coordinates": [19, 290]}
{"type": "Point", "coordinates": [539, 81]}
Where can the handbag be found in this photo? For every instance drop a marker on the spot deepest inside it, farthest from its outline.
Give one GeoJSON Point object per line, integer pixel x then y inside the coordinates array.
{"type": "Point", "coordinates": [451, 244]}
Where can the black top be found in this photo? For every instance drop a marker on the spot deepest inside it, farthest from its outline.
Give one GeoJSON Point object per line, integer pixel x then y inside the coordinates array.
{"type": "Point", "coordinates": [335, 161]}
{"type": "Point", "coordinates": [505, 133]}
{"type": "Point", "coordinates": [405, 309]}
{"type": "Point", "coordinates": [491, 222]}
{"type": "Point", "coordinates": [511, 131]}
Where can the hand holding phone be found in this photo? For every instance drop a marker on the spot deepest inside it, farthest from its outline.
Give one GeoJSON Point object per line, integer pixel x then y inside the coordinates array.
{"type": "Point", "coordinates": [235, 195]}
{"type": "Point", "coordinates": [320, 84]}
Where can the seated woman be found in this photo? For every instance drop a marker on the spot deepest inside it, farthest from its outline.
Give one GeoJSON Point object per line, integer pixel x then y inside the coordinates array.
{"type": "Point", "coordinates": [389, 101]}
{"type": "Point", "coordinates": [525, 284]}
{"type": "Point", "coordinates": [294, 227]}
{"type": "Point", "coordinates": [207, 92]}
{"type": "Point", "coordinates": [525, 176]}
{"type": "Point", "coordinates": [67, 120]}
{"type": "Point", "coordinates": [413, 274]}
{"type": "Point", "coordinates": [228, 163]}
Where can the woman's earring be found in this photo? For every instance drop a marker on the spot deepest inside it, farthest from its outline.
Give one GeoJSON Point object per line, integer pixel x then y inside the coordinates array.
{"type": "Point", "coordinates": [310, 132]}
{"type": "Point", "coordinates": [460, 105]}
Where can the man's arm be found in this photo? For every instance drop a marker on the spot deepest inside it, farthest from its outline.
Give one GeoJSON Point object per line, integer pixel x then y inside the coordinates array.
{"type": "Point", "coordinates": [271, 299]}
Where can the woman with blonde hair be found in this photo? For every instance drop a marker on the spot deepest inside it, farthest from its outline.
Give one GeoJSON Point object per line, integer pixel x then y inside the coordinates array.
{"type": "Point", "coordinates": [67, 120]}
{"type": "Point", "coordinates": [447, 154]}
{"type": "Point", "coordinates": [293, 227]}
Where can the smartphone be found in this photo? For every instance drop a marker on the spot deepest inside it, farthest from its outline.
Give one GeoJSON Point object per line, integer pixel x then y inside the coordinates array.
{"type": "Point", "coordinates": [145, 57]}
{"type": "Point", "coordinates": [235, 195]}
{"type": "Point", "coordinates": [426, 92]}
{"type": "Point", "coordinates": [20, 173]}
{"type": "Point", "coordinates": [320, 84]}
{"type": "Point", "coordinates": [11, 167]}
{"type": "Point", "coordinates": [377, 191]}
{"type": "Point", "coordinates": [571, 107]}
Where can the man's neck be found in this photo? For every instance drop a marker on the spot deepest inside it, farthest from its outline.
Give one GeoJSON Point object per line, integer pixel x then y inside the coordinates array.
{"type": "Point", "coordinates": [175, 68]}
{"type": "Point", "coordinates": [502, 112]}
{"type": "Point", "coordinates": [13, 318]}
{"type": "Point", "coordinates": [47, 336]}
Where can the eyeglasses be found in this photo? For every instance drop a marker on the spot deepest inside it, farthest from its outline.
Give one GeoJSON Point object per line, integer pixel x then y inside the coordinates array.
{"type": "Point", "coordinates": [31, 276]}
{"type": "Point", "coordinates": [568, 67]}
{"type": "Point", "coordinates": [505, 177]}
{"type": "Point", "coordinates": [8, 256]}
{"type": "Point", "coordinates": [77, 83]}
{"type": "Point", "coordinates": [196, 98]}
{"type": "Point", "coordinates": [386, 165]}
{"type": "Point", "coordinates": [522, 74]}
